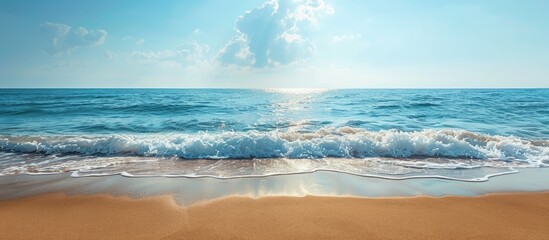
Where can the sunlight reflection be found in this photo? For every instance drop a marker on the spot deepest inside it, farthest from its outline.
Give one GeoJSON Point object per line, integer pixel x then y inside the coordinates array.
{"type": "Point", "coordinates": [297, 91]}
{"type": "Point", "coordinates": [290, 106]}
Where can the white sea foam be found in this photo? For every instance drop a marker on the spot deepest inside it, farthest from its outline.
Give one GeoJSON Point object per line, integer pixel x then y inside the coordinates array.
{"type": "Point", "coordinates": [342, 142]}
{"type": "Point", "coordinates": [389, 168]}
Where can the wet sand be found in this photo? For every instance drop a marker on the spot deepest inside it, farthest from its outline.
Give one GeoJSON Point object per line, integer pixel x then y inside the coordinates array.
{"type": "Point", "coordinates": [58, 216]}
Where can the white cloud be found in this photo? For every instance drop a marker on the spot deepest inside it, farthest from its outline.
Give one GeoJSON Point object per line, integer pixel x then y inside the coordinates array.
{"type": "Point", "coordinates": [140, 41]}
{"type": "Point", "coordinates": [237, 52]}
{"type": "Point", "coordinates": [345, 37]}
{"type": "Point", "coordinates": [188, 53]}
{"type": "Point", "coordinates": [110, 54]}
{"type": "Point", "coordinates": [127, 38]}
{"type": "Point", "coordinates": [311, 10]}
{"type": "Point", "coordinates": [274, 33]}
{"type": "Point", "coordinates": [66, 38]}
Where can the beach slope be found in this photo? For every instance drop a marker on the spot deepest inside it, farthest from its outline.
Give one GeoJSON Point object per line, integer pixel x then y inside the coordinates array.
{"type": "Point", "coordinates": [57, 216]}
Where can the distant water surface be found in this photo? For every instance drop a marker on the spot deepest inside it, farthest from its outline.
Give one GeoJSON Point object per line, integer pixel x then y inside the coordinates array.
{"type": "Point", "coordinates": [460, 134]}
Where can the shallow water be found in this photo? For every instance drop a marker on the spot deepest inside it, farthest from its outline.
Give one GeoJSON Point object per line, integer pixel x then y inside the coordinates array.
{"type": "Point", "coordinates": [456, 134]}
{"type": "Point", "coordinates": [322, 183]}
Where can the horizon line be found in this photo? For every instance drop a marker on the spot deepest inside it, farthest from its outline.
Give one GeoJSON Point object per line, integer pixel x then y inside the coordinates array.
{"type": "Point", "coordinates": [258, 88]}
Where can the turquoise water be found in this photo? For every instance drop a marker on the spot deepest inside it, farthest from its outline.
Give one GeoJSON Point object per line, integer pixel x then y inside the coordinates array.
{"type": "Point", "coordinates": [522, 113]}
{"type": "Point", "coordinates": [461, 134]}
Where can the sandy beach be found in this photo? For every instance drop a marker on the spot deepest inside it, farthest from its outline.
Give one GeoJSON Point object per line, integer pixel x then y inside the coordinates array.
{"type": "Point", "coordinates": [274, 119]}
{"type": "Point", "coordinates": [58, 216]}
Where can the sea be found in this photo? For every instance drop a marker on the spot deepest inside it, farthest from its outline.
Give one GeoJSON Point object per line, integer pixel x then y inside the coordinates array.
{"type": "Point", "coordinates": [457, 134]}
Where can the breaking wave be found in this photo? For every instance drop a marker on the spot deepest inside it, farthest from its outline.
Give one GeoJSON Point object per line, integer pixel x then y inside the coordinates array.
{"type": "Point", "coordinates": [344, 142]}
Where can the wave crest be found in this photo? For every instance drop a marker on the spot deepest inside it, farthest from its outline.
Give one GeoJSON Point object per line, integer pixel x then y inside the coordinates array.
{"type": "Point", "coordinates": [342, 142]}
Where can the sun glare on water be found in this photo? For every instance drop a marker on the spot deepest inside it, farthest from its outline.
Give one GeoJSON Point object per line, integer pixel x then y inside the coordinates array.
{"type": "Point", "coordinates": [297, 91]}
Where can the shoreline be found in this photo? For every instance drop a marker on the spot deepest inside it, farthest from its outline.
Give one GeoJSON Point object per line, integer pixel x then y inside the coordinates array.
{"type": "Point", "coordinates": [190, 190]}
{"type": "Point", "coordinates": [325, 205]}
{"type": "Point", "coordinates": [485, 178]}
{"type": "Point", "coordinates": [61, 216]}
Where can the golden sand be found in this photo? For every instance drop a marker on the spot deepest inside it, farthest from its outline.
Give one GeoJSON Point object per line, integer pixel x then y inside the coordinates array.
{"type": "Point", "coordinates": [57, 216]}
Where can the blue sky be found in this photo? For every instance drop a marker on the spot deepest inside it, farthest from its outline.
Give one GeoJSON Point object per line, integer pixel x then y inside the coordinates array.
{"type": "Point", "coordinates": [284, 43]}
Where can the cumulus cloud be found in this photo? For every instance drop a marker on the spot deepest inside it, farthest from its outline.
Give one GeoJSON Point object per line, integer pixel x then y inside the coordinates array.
{"type": "Point", "coordinates": [66, 38]}
{"type": "Point", "coordinates": [188, 53]}
{"type": "Point", "coordinates": [274, 33]}
{"type": "Point", "coordinates": [139, 41]}
{"type": "Point", "coordinates": [345, 37]}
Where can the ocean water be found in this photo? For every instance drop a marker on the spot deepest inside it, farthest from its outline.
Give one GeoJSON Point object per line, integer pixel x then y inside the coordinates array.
{"type": "Point", "coordinates": [462, 134]}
